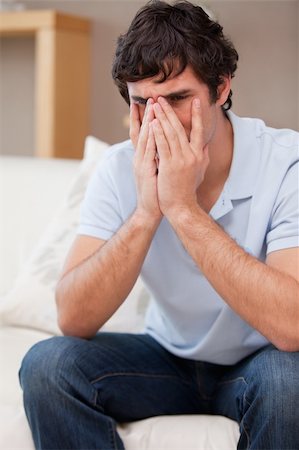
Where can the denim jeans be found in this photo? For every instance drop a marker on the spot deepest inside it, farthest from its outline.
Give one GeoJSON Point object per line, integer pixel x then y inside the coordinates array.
{"type": "Point", "coordinates": [76, 391]}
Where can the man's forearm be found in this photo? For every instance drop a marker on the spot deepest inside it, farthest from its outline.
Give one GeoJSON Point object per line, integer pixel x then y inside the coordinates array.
{"type": "Point", "coordinates": [263, 296]}
{"type": "Point", "coordinates": [90, 293]}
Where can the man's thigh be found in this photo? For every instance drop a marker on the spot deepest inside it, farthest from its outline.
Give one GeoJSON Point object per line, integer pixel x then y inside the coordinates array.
{"type": "Point", "coordinates": [135, 377]}
{"type": "Point", "coordinates": [269, 376]}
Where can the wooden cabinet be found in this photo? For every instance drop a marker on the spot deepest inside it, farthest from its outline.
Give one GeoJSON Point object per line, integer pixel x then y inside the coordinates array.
{"type": "Point", "coordinates": [62, 78]}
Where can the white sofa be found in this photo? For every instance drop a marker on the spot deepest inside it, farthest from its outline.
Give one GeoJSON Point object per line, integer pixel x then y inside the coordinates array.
{"type": "Point", "coordinates": [39, 209]}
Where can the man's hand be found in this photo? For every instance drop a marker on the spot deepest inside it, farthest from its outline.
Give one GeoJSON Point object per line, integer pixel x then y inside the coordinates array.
{"type": "Point", "coordinates": [182, 163]}
{"type": "Point", "coordinates": [145, 166]}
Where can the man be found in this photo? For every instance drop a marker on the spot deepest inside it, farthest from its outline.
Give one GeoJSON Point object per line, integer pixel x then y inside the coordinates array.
{"type": "Point", "coordinates": [204, 205]}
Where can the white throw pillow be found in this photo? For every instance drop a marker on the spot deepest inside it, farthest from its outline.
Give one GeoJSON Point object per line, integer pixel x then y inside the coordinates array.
{"type": "Point", "coordinates": [31, 302]}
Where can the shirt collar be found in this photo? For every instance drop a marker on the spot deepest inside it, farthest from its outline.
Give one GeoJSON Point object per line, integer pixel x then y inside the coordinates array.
{"type": "Point", "coordinates": [245, 162]}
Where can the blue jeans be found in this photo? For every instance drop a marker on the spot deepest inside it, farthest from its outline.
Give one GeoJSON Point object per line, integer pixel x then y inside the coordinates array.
{"type": "Point", "coordinates": [76, 390]}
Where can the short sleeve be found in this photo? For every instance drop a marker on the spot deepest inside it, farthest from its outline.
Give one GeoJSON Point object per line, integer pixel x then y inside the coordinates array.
{"type": "Point", "coordinates": [284, 226]}
{"type": "Point", "coordinates": [100, 213]}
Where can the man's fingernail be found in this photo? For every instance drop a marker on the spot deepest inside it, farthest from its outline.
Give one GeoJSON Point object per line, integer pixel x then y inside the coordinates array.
{"type": "Point", "coordinates": [197, 103]}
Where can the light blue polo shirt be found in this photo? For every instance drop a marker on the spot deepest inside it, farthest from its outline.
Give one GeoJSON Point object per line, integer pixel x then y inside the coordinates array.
{"type": "Point", "coordinates": [258, 207]}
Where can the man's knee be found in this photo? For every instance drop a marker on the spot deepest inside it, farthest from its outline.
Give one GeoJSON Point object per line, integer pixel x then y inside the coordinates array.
{"type": "Point", "coordinates": [44, 364]}
{"type": "Point", "coordinates": [275, 380]}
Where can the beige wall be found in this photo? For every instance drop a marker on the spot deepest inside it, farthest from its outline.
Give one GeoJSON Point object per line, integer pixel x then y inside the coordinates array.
{"type": "Point", "coordinates": [16, 95]}
{"type": "Point", "coordinates": [266, 34]}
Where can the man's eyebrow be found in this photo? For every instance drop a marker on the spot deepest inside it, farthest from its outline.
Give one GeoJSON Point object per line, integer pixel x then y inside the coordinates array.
{"type": "Point", "coordinates": [181, 93]}
{"type": "Point", "coordinates": [136, 98]}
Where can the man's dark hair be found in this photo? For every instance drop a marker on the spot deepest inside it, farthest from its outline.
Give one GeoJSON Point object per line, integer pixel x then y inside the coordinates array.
{"type": "Point", "coordinates": [163, 39]}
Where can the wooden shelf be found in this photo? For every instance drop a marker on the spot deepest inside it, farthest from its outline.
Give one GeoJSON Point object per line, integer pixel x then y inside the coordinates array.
{"type": "Point", "coordinates": [62, 77]}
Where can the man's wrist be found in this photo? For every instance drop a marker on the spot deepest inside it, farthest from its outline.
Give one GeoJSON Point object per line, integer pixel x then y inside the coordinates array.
{"type": "Point", "coordinates": [184, 213]}
{"type": "Point", "coordinates": [145, 219]}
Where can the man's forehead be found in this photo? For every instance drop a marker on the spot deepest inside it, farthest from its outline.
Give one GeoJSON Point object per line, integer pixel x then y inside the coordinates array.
{"type": "Point", "coordinates": [151, 87]}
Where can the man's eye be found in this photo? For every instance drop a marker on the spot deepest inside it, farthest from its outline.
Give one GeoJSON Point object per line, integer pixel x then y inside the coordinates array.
{"type": "Point", "coordinates": [140, 102]}
{"type": "Point", "coordinates": [177, 98]}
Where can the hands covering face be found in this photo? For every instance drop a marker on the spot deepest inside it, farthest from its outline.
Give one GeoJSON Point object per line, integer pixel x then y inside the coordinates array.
{"type": "Point", "coordinates": [167, 185]}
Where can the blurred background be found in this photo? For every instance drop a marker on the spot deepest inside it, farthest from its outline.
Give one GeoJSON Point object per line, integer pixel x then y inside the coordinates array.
{"type": "Point", "coordinates": [265, 33]}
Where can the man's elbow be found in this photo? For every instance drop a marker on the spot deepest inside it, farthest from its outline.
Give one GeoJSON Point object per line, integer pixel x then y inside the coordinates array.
{"type": "Point", "coordinates": [72, 328]}
{"type": "Point", "coordinates": [288, 343]}
{"type": "Point", "coordinates": [69, 325]}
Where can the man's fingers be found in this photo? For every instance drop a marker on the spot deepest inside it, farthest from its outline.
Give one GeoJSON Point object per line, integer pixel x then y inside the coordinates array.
{"type": "Point", "coordinates": [134, 123]}
{"type": "Point", "coordinates": [171, 115]}
{"type": "Point", "coordinates": [197, 128]}
{"type": "Point", "coordinates": [180, 133]}
{"type": "Point", "coordinates": [150, 111]}
{"type": "Point", "coordinates": [161, 141]}
{"type": "Point", "coordinates": [170, 133]}
{"type": "Point", "coordinates": [147, 118]}
{"type": "Point", "coordinates": [143, 132]}
{"type": "Point", "coordinates": [150, 151]}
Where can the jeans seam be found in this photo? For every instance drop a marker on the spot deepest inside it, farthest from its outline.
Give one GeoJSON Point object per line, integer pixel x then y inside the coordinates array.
{"type": "Point", "coordinates": [135, 374]}
{"type": "Point", "coordinates": [198, 385]}
{"type": "Point", "coordinates": [242, 423]}
{"type": "Point", "coordinates": [243, 418]}
{"type": "Point", "coordinates": [95, 401]}
{"type": "Point", "coordinates": [221, 383]}
{"type": "Point", "coordinates": [246, 433]}
{"type": "Point", "coordinates": [112, 433]}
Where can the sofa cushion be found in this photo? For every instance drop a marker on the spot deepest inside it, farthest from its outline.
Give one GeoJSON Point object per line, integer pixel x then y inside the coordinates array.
{"type": "Point", "coordinates": [14, 344]}
{"type": "Point", "coordinates": [15, 433]}
{"type": "Point", "coordinates": [31, 302]}
{"type": "Point", "coordinates": [29, 190]}
{"type": "Point", "coordinates": [181, 432]}
{"type": "Point", "coordinates": [157, 433]}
